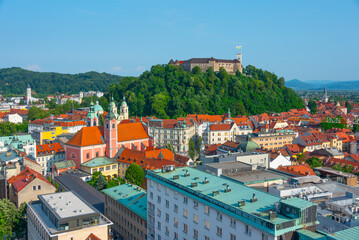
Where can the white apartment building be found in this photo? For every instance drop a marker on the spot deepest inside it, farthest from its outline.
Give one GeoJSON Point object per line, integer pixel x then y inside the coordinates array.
{"type": "Point", "coordinates": [13, 118]}
{"type": "Point", "coordinates": [177, 133]}
{"type": "Point", "coordinates": [185, 203]}
{"type": "Point", "coordinates": [220, 133]}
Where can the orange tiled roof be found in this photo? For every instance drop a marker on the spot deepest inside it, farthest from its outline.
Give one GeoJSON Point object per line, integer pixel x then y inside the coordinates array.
{"type": "Point", "coordinates": [92, 237]}
{"type": "Point", "coordinates": [301, 170]}
{"type": "Point", "coordinates": [87, 136]}
{"type": "Point", "coordinates": [220, 127]}
{"type": "Point", "coordinates": [159, 153]}
{"type": "Point", "coordinates": [332, 161]}
{"type": "Point", "coordinates": [46, 149]}
{"type": "Point", "coordinates": [131, 131]}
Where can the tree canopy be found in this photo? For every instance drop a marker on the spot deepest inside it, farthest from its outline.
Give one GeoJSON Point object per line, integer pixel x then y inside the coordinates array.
{"type": "Point", "coordinates": [12, 219]}
{"type": "Point", "coordinates": [314, 162]}
{"type": "Point", "coordinates": [168, 91]}
{"type": "Point", "coordinates": [135, 174]}
{"type": "Point", "coordinates": [312, 105]}
{"type": "Point", "coordinates": [14, 81]}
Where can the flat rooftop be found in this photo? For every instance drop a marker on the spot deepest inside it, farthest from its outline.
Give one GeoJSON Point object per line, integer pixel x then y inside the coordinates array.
{"type": "Point", "coordinates": [332, 171]}
{"type": "Point", "coordinates": [228, 165]}
{"type": "Point", "coordinates": [132, 197]}
{"type": "Point", "coordinates": [99, 161]}
{"type": "Point", "coordinates": [214, 192]}
{"type": "Point", "coordinates": [255, 176]}
{"type": "Point", "coordinates": [66, 204]}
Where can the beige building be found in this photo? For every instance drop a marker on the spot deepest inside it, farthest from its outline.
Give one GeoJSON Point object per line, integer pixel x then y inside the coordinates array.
{"type": "Point", "coordinates": [231, 66]}
{"type": "Point", "coordinates": [220, 133]}
{"type": "Point", "coordinates": [27, 186]}
{"type": "Point", "coordinates": [126, 207]}
{"type": "Point", "coordinates": [177, 133]}
{"type": "Point", "coordinates": [273, 139]}
{"type": "Point", "coordinates": [65, 216]}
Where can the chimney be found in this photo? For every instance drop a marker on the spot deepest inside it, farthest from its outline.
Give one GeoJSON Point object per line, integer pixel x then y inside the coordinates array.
{"type": "Point", "coordinates": [254, 198]}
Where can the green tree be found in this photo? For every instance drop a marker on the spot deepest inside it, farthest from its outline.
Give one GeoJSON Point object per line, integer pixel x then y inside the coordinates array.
{"type": "Point", "coordinates": [7, 129]}
{"type": "Point", "coordinates": [191, 149]}
{"type": "Point", "coordinates": [348, 168]}
{"type": "Point", "coordinates": [12, 220]}
{"type": "Point", "coordinates": [348, 106]}
{"type": "Point", "coordinates": [198, 145]}
{"type": "Point", "coordinates": [314, 162]}
{"type": "Point", "coordinates": [171, 148]}
{"type": "Point", "coordinates": [312, 105]}
{"type": "Point", "coordinates": [56, 185]}
{"type": "Point", "coordinates": [101, 120]}
{"type": "Point", "coordinates": [37, 113]}
{"type": "Point", "coordinates": [100, 182]}
{"type": "Point", "coordinates": [338, 167]}
{"type": "Point", "coordinates": [135, 174]}
{"type": "Point", "coordinates": [196, 70]}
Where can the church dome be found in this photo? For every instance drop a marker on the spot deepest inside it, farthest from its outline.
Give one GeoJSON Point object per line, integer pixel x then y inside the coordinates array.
{"type": "Point", "coordinates": [98, 107]}
{"type": "Point", "coordinates": [248, 146]}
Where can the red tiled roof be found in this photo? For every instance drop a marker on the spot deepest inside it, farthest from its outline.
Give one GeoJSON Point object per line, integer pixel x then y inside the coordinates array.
{"type": "Point", "coordinates": [19, 111]}
{"type": "Point", "coordinates": [25, 177]}
{"type": "Point", "coordinates": [92, 237]}
{"type": "Point", "coordinates": [301, 170]}
{"type": "Point", "coordinates": [220, 127]}
{"type": "Point", "coordinates": [332, 161]}
{"type": "Point", "coordinates": [47, 149]}
{"type": "Point", "coordinates": [131, 131]}
{"type": "Point", "coordinates": [87, 136]}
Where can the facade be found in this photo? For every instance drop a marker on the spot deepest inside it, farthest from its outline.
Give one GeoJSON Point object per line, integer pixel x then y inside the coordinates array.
{"type": "Point", "coordinates": [273, 139]}
{"type": "Point", "coordinates": [65, 215]}
{"type": "Point", "coordinates": [185, 203]}
{"type": "Point", "coordinates": [27, 186]}
{"type": "Point", "coordinates": [47, 135]}
{"type": "Point", "coordinates": [126, 207]}
{"type": "Point", "coordinates": [107, 166]}
{"type": "Point", "coordinates": [176, 133]}
{"type": "Point", "coordinates": [221, 133]}
{"type": "Point", "coordinates": [13, 118]}
{"type": "Point", "coordinates": [48, 154]}
{"type": "Point", "coordinates": [231, 66]}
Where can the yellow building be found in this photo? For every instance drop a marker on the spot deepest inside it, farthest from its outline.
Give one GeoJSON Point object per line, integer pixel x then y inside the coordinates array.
{"type": "Point", "coordinates": [108, 167]}
{"type": "Point", "coordinates": [45, 136]}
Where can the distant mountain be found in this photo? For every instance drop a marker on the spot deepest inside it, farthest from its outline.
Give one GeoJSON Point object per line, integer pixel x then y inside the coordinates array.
{"type": "Point", "coordinates": [319, 84]}
{"type": "Point", "coordinates": [14, 81]}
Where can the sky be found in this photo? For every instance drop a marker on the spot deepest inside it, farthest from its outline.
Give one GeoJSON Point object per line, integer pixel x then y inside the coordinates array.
{"type": "Point", "coordinates": [306, 40]}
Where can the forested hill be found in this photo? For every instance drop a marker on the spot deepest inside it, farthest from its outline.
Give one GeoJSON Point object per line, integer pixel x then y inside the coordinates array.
{"type": "Point", "coordinates": [168, 91]}
{"type": "Point", "coordinates": [14, 81]}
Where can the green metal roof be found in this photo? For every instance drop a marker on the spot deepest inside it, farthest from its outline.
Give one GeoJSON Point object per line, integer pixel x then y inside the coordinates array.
{"type": "Point", "coordinates": [227, 201]}
{"type": "Point", "coordinates": [309, 235]}
{"type": "Point", "coordinates": [132, 197]}
{"type": "Point", "coordinates": [65, 164]}
{"type": "Point", "coordinates": [17, 141]}
{"type": "Point", "coordinates": [99, 161]}
{"type": "Point", "coordinates": [347, 234]}
{"type": "Point", "coordinates": [298, 203]}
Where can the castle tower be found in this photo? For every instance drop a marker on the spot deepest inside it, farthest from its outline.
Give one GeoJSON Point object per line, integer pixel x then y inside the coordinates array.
{"type": "Point", "coordinates": [28, 94]}
{"type": "Point", "coordinates": [91, 118]}
{"type": "Point", "coordinates": [124, 109]}
{"type": "Point", "coordinates": [325, 94]}
{"type": "Point", "coordinates": [110, 130]}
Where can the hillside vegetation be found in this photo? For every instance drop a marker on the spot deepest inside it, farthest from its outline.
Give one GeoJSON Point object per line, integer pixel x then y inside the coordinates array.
{"type": "Point", "coordinates": [13, 81]}
{"type": "Point", "coordinates": [167, 91]}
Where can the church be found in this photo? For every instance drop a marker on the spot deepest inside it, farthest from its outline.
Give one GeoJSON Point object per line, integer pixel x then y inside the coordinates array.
{"type": "Point", "coordinates": [98, 141]}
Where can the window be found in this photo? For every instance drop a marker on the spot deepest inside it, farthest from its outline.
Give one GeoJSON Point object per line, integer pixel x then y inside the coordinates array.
{"type": "Point", "coordinates": [167, 191]}
{"type": "Point", "coordinates": [185, 200]}
{"type": "Point", "coordinates": [151, 195]}
{"type": "Point", "coordinates": [34, 188]}
{"type": "Point", "coordinates": [101, 169]}
{"type": "Point", "coordinates": [113, 125]}
{"type": "Point", "coordinates": [108, 168]}
{"type": "Point", "coordinates": [206, 224]}
{"type": "Point", "coordinates": [167, 231]}
{"type": "Point", "coordinates": [233, 237]}
{"type": "Point", "coordinates": [158, 212]}
{"type": "Point", "coordinates": [167, 204]}
{"type": "Point", "coordinates": [167, 217]}
{"type": "Point", "coordinates": [176, 236]}
{"type": "Point", "coordinates": [96, 154]}
{"type": "Point", "coordinates": [185, 213]}
{"type": "Point", "coordinates": [87, 155]}
{"type": "Point", "coordinates": [219, 216]}
{"type": "Point", "coordinates": [195, 204]}
{"type": "Point", "coordinates": [206, 210]}
{"type": "Point", "coordinates": [195, 218]}
{"type": "Point", "coordinates": [233, 222]}
{"type": "Point", "coordinates": [158, 199]}
{"type": "Point", "coordinates": [248, 230]}
{"type": "Point", "coordinates": [176, 195]}
{"type": "Point", "coordinates": [176, 208]}
{"type": "Point", "coordinates": [219, 231]}
{"type": "Point", "coordinates": [114, 166]}
{"type": "Point", "coordinates": [264, 236]}
{"type": "Point", "coordinates": [158, 187]}
{"type": "Point", "coordinates": [151, 182]}
{"type": "Point", "coordinates": [159, 225]}
{"type": "Point", "coordinates": [195, 234]}
{"type": "Point", "coordinates": [176, 222]}
{"type": "Point", "coordinates": [206, 238]}
{"type": "Point", "coordinates": [185, 228]}
{"type": "Point", "coordinates": [39, 187]}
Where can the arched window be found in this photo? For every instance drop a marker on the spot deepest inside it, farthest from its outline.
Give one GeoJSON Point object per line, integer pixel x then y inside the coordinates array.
{"type": "Point", "coordinates": [73, 155]}
{"type": "Point", "coordinates": [106, 125]}
{"type": "Point", "coordinates": [94, 122]}
{"type": "Point", "coordinates": [113, 125]}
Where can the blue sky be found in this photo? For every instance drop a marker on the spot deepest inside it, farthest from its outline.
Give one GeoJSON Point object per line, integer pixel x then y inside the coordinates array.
{"type": "Point", "coordinates": [307, 39]}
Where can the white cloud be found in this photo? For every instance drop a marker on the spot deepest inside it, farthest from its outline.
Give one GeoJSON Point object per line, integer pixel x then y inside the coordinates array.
{"type": "Point", "coordinates": [33, 67]}
{"type": "Point", "coordinates": [117, 69]}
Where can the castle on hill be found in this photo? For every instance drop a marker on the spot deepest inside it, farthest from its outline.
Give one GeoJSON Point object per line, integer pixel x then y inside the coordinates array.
{"type": "Point", "coordinates": [231, 66]}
